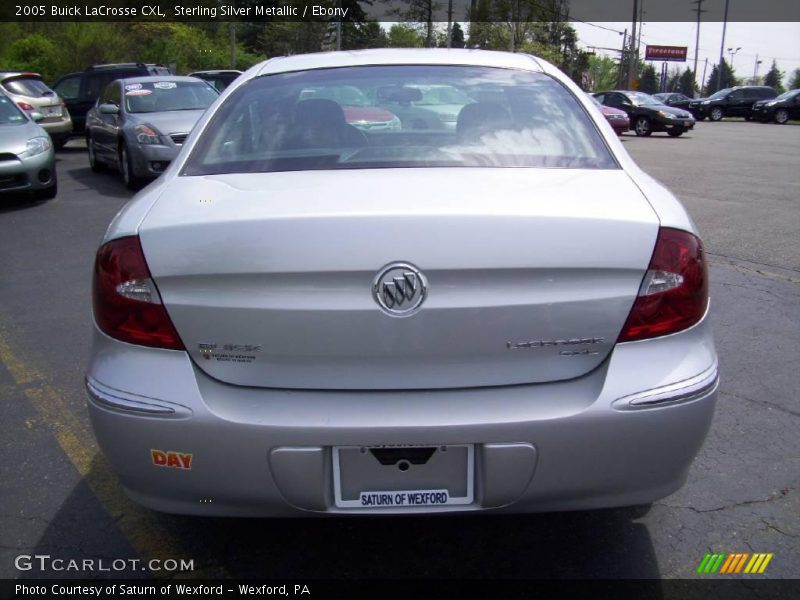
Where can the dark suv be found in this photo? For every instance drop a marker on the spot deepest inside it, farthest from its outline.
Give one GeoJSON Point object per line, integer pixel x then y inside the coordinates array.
{"type": "Point", "coordinates": [732, 102]}
{"type": "Point", "coordinates": [80, 90]}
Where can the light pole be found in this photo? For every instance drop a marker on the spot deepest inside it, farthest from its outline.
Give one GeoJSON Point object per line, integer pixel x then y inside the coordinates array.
{"type": "Point", "coordinates": [755, 70]}
{"type": "Point", "coordinates": [733, 53]}
{"type": "Point", "coordinates": [722, 46]}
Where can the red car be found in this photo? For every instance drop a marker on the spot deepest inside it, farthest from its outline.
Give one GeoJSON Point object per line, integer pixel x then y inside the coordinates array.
{"type": "Point", "coordinates": [617, 118]}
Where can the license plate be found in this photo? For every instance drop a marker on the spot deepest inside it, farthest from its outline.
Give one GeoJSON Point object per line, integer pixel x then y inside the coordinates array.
{"type": "Point", "coordinates": [52, 111]}
{"type": "Point", "coordinates": [408, 476]}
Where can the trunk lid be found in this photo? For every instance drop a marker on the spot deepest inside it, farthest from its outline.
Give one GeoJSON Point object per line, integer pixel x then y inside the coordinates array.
{"type": "Point", "coordinates": [530, 273]}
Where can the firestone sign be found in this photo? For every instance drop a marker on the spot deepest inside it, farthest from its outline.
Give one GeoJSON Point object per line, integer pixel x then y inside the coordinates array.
{"type": "Point", "coordinates": [668, 53]}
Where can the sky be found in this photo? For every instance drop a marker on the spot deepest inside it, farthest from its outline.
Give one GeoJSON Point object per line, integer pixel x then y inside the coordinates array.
{"type": "Point", "coordinates": [778, 41]}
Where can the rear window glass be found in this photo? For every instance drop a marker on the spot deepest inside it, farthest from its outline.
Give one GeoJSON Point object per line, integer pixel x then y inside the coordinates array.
{"type": "Point", "coordinates": [27, 86]}
{"type": "Point", "coordinates": [164, 96]}
{"type": "Point", "coordinates": [399, 116]}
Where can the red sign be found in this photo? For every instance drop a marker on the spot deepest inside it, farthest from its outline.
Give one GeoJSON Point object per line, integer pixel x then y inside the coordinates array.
{"type": "Point", "coordinates": [669, 53]}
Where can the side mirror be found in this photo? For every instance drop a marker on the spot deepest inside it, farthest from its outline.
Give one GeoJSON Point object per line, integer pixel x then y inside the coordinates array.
{"type": "Point", "coordinates": [36, 116]}
{"type": "Point", "coordinates": [109, 109]}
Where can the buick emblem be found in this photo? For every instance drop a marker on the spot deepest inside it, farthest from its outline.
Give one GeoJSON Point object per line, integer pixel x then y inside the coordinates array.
{"type": "Point", "coordinates": [399, 289]}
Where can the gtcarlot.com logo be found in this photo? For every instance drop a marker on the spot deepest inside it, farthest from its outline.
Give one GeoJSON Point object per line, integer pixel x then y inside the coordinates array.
{"type": "Point", "coordinates": [734, 563]}
{"type": "Point", "coordinates": [45, 562]}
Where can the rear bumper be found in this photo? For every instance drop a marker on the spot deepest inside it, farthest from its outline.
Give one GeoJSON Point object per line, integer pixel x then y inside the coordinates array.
{"type": "Point", "coordinates": [624, 434]}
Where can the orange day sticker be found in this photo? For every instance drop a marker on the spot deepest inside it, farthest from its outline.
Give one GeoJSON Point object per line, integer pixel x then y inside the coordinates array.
{"type": "Point", "coordinates": [172, 460]}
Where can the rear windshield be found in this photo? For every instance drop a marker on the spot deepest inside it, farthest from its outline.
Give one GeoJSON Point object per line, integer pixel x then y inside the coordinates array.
{"type": "Point", "coordinates": [399, 116]}
{"type": "Point", "coordinates": [9, 113]}
{"type": "Point", "coordinates": [164, 96]}
{"type": "Point", "coordinates": [27, 86]}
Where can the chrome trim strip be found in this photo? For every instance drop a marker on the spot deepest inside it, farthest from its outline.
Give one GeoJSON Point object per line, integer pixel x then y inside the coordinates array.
{"type": "Point", "coordinates": [119, 401]}
{"type": "Point", "coordinates": [681, 391]}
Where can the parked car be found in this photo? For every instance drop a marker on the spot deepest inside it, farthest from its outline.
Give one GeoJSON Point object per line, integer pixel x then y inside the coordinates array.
{"type": "Point", "coordinates": [647, 114]}
{"type": "Point", "coordinates": [32, 95]}
{"type": "Point", "coordinates": [139, 124]}
{"type": "Point", "coordinates": [674, 99]}
{"type": "Point", "coordinates": [733, 102]}
{"type": "Point", "coordinates": [618, 119]}
{"type": "Point", "coordinates": [27, 160]}
{"type": "Point", "coordinates": [781, 109]}
{"type": "Point", "coordinates": [80, 90]}
{"type": "Point", "coordinates": [219, 79]}
{"type": "Point", "coordinates": [301, 316]}
{"type": "Point", "coordinates": [358, 110]}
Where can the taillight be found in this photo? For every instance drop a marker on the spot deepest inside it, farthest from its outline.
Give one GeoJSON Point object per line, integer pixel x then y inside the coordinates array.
{"type": "Point", "coordinates": [25, 106]}
{"type": "Point", "coordinates": [127, 305]}
{"type": "Point", "coordinates": [674, 293]}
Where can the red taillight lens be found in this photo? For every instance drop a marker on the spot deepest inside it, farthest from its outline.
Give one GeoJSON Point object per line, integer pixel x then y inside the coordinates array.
{"type": "Point", "coordinates": [126, 302]}
{"type": "Point", "coordinates": [674, 293]}
{"type": "Point", "coordinates": [24, 106]}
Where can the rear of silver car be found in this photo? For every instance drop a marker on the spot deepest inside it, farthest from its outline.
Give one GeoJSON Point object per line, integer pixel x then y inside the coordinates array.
{"type": "Point", "coordinates": [32, 95]}
{"type": "Point", "coordinates": [386, 340]}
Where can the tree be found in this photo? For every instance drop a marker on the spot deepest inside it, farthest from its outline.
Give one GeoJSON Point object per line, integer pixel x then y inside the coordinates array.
{"type": "Point", "coordinates": [402, 35]}
{"type": "Point", "coordinates": [673, 80]}
{"type": "Point", "coordinates": [774, 78]}
{"type": "Point", "coordinates": [795, 82]}
{"type": "Point", "coordinates": [728, 78]}
{"type": "Point", "coordinates": [33, 53]}
{"type": "Point", "coordinates": [686, 84]}
{"type": "Point", "coordinates": [423, 12]}
{"type": "Point", "coordinates": [648, 82]}
{"type": "Point", "coordinates": [602, 73]}
{"type": "Point", "coordinates": [456, 36]}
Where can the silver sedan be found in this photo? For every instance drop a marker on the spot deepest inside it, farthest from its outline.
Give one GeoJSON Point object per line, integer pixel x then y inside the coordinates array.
{"type": "Point", "coordinates": [138, 125]}
{"type": "Point", "coordinates": [27, 159]}
{"type": "Point", "coordinates": [303, 317]}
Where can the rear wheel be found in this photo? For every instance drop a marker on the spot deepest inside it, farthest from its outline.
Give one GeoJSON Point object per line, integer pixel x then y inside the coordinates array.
{"type": "Point", "coordinates": [642, 127]}
{"type": "Point", "coordinates": [781, 116]}
{"type": "Point", "coordinates": [675, 132]}
{"type": "Point", "coordinates": [94, 164]}
{"type": "Point", "coordinates": [716, 113]}
{"type": "Point", "coordinates": [128, 177]}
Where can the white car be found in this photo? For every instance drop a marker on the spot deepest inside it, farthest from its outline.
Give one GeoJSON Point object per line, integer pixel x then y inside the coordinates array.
{"type": "Point", "coordinates": [300, 316]}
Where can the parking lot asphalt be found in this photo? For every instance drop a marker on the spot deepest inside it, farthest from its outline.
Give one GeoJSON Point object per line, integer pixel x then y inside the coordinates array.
{"type": "Point", "coordinates": [740, 183]}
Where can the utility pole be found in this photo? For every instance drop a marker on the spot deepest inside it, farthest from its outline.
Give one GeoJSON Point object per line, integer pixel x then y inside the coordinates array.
{"type": "Point", "coordinates": [698, 10]}
{"type": "Point", "coordinates": [722, 47]}
{"type": "Point", "coordinates": [632, 57]}
{"type": "Point", "coordinates": [233, 44]}
{"type": "Point", "coordinates": [338, 26]}
{"type": "Point", "coordinates": [703, 80]}
{"type": "Point", "coordinates": [623, 65]}
{"type": "Point", "coordinates": [449, 23]}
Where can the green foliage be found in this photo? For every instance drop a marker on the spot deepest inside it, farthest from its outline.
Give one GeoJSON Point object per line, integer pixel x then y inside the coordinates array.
{"type": "Point", "coordinates": [32, 53]}
{"type": "Point", "coordinates": [603, 72]}
{"type": "Point", "coordinates": [648, 82]}
{"type": "Point", "coordinates": [404, 36]}
{"type": "Point", "coordinates": [774, 78]}
{"type": "Point", "coordinates": [795, 82]}
{"type": "Point", "coordinates": [686, 83]}
{"type": "Point", "coordinates": [728, 79]}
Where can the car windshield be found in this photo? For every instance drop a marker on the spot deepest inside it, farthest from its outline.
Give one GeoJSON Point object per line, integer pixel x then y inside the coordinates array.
{"type": "Point", "coordinates": [640, 99]}
{"type": "Point", "coordinates": [275, 122]}
{"type": "Point", "coordinates": [165, 96]}
{"type": "Point", "coordinates": [720, 94]}
{"type": "Point", "coordinates": [32, 87]}
{"type": "Point", "coordinates": [9, 113]}
{"type": "Point", "coordinates": [787, 95]}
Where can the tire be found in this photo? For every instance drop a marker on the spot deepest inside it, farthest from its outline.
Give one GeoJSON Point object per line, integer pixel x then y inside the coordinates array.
{"type": "Point", "coordinates": [675, 132]}
{"type": "Point", "coordinates": [60, 142]}
{"type": "Point", "coordinates": [781, 116]}
{"type": "Point", "coordinates": [131, 181]}
{"type": "Point", "coordinates": [94, 164]}
{"type": "Point", "coordinates": [716, 114]}
{"type": "Point", "coordinates": [642, 127]}
{"type": "Point", "coordinates": [47, 193]}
